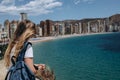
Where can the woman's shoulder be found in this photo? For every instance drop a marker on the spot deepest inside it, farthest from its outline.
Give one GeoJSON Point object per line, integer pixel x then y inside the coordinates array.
{"type": "Point", "coordinates": [29, 45]}
{"type": "Point", "coordinates": [29, 51]}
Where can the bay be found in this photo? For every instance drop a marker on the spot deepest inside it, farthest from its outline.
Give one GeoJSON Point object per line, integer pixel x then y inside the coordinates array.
{"type": "Point", "coordinates": [92, 57]}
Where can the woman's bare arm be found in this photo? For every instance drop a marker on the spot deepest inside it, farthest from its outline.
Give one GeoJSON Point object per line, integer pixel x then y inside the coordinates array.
{"type": "Point", "coordinates": [29, 63]}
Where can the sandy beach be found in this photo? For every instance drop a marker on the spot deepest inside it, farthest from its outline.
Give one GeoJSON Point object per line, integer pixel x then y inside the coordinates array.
{"type": "Point", "coordinates": [42, 39]}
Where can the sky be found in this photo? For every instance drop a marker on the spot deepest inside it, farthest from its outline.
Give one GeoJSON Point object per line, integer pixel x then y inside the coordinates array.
{"type": "Point", "coordinates": [38, 10]}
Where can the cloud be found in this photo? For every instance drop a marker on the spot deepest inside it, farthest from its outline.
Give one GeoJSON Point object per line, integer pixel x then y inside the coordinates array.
{"type": "Point", "coordinates": [89, 1]}
{"type": "Point", "coordinates": [35, 7]}
{"type": "Point", "coordinates": [85, 1]}
{"type": "Point", "coordinates": [7, 2]}
{"type": "Point", "coordinates": [77, 1]}
{"type": "Point", "coordinates": [20, 0]}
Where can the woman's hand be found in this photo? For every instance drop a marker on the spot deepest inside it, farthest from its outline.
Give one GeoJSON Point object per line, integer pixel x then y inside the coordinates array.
{"type": "Point", "coordinates": [41, 66]}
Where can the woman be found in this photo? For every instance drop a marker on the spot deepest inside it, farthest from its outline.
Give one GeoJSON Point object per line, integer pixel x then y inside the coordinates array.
{"type": "Point", "coordinates": [25, 30]}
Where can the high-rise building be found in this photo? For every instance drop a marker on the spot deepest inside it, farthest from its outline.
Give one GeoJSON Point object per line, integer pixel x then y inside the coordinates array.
{"type": "Point", "coordinates": [23, 16]}
{"type": "Point", "coordinates": [7, 27]}
{"type": "Point", "coordinates": [0, 27]}
{"type": "Point", "coordinates": [39, 30]}
{"type": "Point", "coordinates": [13, 26]}
{"type": "Point", "coordinates": [49, 27]}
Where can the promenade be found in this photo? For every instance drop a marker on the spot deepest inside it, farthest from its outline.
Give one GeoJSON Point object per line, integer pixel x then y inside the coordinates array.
{"type": "Point", "coordinates": [2, 70]}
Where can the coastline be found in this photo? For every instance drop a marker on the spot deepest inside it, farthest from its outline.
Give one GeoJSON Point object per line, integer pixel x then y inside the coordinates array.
{"type": "Point", "coordinates": [43, 39]}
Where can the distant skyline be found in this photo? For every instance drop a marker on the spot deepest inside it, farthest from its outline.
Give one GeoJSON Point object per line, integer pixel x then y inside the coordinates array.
{"type": "Point", "coordinates": [38, 10]}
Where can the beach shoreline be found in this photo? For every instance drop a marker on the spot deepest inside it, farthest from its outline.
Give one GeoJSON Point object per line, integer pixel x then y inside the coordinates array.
{"type": "Point", "coordinates": [44, 39]}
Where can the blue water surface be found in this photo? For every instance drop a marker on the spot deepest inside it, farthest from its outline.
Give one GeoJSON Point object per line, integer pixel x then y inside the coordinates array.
{"type": "Point", "coordinates": [92, 57]}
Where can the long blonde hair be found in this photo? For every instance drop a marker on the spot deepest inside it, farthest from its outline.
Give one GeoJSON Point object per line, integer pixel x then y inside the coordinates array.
{"type": "Point", "coordinates": [25, 30]}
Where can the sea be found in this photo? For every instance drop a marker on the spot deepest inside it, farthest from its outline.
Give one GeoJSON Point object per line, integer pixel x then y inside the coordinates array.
{"type": "Point", "coordinates": [90, 57]}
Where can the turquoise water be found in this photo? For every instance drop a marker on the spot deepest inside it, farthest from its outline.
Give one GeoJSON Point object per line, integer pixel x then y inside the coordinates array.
{"type": "Point", "coordinates": [93, 57]}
